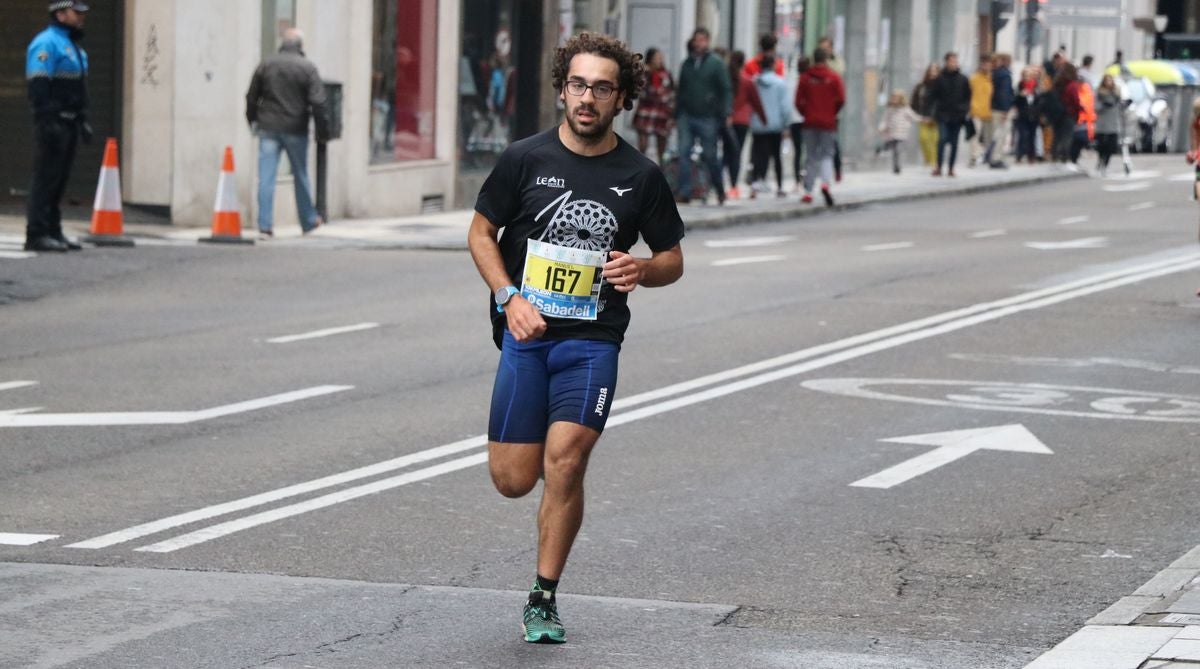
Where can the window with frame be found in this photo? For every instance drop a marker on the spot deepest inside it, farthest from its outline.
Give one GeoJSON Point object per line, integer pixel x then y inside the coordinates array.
{"type": "Point", "coordinates": [403, 91]}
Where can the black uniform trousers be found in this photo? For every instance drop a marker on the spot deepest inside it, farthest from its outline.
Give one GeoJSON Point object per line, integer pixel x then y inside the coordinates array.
{"type": "Point", "coordinates": [56, 142]}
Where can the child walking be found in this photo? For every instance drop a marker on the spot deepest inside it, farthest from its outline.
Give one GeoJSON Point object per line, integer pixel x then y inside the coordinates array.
{"type": "Point", "coordinates": [895, 127]}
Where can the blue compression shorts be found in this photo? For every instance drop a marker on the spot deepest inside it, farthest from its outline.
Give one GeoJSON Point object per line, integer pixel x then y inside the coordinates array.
{"type": "Point", "coordinates": [546, 381]}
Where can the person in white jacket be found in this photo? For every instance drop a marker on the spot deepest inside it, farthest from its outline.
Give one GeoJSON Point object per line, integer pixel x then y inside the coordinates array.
{"type": "Point", "coordinates": [895, 127]}
{"type": "Point", "coordinates": [768, 135]}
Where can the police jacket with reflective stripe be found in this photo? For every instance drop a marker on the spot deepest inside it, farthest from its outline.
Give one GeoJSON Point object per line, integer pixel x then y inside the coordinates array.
{"type": "Point", "coordinates": [56, 69]}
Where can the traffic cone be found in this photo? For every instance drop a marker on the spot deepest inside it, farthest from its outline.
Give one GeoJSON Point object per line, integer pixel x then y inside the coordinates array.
{"type": "Point", "coordinates": [227, 215]}
{"type": "Point", "coordinates": [107, 221]}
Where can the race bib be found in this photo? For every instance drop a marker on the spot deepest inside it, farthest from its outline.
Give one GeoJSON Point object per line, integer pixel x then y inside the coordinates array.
{"type": "Point", "coordinates": [563, 282]}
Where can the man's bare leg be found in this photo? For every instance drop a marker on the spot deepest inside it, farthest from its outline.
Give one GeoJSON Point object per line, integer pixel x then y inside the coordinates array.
{"type": "Point", "coordinates": [568, 447]}
{"type": "Point", "coordinates": [515, 468]}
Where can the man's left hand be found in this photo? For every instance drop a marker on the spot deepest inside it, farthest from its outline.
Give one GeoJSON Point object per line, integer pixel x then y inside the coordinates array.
{"type": "Point", "coordinates": [622, 271]}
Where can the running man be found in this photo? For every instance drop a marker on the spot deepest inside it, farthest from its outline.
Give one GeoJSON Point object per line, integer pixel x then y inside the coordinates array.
{"type": "Point", "coordinates": [572, 201]}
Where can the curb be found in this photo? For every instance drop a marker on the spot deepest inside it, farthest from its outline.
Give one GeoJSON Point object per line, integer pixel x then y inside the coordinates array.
{"type": "Point", "coordinates": [714, 218]}
{"type": "Point", "coordinates": [1139, 628]}
{"type": "Point", "coordinates": [793, 211]}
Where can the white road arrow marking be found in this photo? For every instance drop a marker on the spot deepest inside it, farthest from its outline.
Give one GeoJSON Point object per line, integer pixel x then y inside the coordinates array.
{"type": "Point", "coordinates": [954, 445]}
{"type": "Point", "coordinates": [160, 417]}
{"type": "Point", "coordinates": [1082, 243]}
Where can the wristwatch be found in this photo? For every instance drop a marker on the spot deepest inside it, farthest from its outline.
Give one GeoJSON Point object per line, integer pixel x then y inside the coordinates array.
{"type": "Point", "coordinates": [504, 295]}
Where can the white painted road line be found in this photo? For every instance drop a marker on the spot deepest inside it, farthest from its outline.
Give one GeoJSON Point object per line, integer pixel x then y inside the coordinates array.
{"type": "Point", "coordinates": [870, 248]}
{"type": "Point", "coordinates": [17, 255]}
{"type": "Point", "coordinates": [728, 262]}
{"type": "Point", "coordinates": [10, 539]}
{"type": "Point", "coordinates": [317, 334]}
{"type": "Point", "coordinates": [747, 242]}
{"type": "Point", "coordinates": [988, 233]}
{"type": "Point", "coordinates": [1072, 220]}
{"type": "Point", "coordinates": [1082, 243]}
{"type": "Point", "coordinates": [1126, 188]}
{"type": "Point", "coordinates": [154, 527]}
{"type": "Point", "coordinates": [1140, 206]}
{"type": "Point", "coordinates": [13, 385]}
{"type": "Point", "coordinates": [215, 531]}
{"type": "Point", "coordinates": [937, 325]}
{"type": "Point", "coordinates": [160, 417]}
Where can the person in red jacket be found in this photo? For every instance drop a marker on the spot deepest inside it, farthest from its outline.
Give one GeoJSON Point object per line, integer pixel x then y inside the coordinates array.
{"type": "Point", "coordinates": [767, 44]}
{"type": "Point", "coordinates": [820, 95]}
{"type": "Point", "coordinates": [745, 103]}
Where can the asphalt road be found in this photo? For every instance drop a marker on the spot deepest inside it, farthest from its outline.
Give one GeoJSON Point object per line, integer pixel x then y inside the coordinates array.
{"type": "Point", "coordinates": [743, 507]}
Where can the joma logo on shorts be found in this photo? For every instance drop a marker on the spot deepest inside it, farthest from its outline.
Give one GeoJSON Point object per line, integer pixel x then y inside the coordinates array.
{"type": "Point", "coordinates": [600, 401]}
{"type": "Point", "coordinates": [552, 182]}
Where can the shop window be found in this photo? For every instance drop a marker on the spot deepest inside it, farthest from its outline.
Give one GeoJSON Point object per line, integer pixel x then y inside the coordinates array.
{"type": "Point", "coordinates": [487, 80]}
{"type": "Point", "coordinates": [403, 100]}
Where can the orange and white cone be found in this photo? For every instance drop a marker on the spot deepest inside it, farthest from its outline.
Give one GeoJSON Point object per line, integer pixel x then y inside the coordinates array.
{"type": "Point", "coordinates": [227, 215]}
{"type": "Point", "coordinates": [108, 226]}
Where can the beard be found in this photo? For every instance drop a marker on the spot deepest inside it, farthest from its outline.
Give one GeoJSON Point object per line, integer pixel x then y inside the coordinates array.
{"type": "Point", "coordinates": [594, 131]}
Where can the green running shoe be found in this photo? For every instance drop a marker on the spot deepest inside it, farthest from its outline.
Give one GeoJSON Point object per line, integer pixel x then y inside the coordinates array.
{"type": "Point", "coordinates": [541, 619]}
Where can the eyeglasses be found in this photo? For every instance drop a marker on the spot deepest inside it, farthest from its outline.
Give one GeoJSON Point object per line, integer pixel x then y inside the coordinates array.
{"type": "Point", "coordinates": [602, 90]}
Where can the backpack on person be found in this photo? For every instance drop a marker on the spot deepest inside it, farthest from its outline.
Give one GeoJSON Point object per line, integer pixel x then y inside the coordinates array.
{"type": "Point", "coordinates": [1050, 106]}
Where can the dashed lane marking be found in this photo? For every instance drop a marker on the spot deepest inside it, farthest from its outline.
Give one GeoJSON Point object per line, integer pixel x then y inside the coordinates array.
{"type": "Point", "coordinates": [984, 234]}
{"type": "Point", "coordinates": [1072, 220]}
{"type": "Point", "coordinates": [1081, 243]}
{"type": "Point", "coordinates": [748, 260]}
{"type": "Point", "coordinates": [892, 246]}
{"type": "Point", "coordinates": [1141, 205]}
{"type": "Point", "coordinates": [1126, 188]}
{"type": "Point", "coordinates": [328, 332]}
{"type": "Point", "coordinates": [747, 242]}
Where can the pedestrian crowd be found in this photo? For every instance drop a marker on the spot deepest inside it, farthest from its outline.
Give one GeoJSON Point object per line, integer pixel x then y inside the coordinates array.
{"type": "Point", "coordinates": [721, 101]}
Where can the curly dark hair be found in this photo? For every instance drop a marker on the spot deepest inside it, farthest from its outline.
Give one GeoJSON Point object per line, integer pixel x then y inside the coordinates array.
{"type": "Point", "coordinates": [632, 77]}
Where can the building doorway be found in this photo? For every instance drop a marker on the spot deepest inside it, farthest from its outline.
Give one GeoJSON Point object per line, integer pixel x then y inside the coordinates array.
{"type": "Point", "coordinates": [20, 20]}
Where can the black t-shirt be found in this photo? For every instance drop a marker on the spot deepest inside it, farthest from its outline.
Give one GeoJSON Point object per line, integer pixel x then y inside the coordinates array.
{"type": "Point", "coordinates": [542, 190]}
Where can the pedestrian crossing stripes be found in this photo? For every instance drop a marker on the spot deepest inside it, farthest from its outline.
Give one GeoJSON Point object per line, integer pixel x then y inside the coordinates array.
{"type": "Point", "coordinates": [12, 247]}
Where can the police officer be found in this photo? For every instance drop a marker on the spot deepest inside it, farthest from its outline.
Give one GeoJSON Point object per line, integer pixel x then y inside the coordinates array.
{"type": "Point", "coordinates": [56, 68]}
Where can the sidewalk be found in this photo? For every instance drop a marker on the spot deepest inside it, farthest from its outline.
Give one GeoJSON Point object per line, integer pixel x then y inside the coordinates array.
{"type": "Point", "coordinates": [448, 230]}
{"type": "Point", "coordinates": [1157, 627]}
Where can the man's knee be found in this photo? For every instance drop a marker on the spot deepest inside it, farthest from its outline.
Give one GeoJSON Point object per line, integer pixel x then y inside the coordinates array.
{"type": "Point", "coordinates": [515, 468]}
{"type": "Point", "coordinates": [514, 484]}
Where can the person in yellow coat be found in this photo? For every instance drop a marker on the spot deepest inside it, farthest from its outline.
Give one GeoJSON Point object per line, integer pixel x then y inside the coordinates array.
{"type": "Point", "coordinates": [981, 108]}
{"type": "Point", "coordinates": [922, 103]}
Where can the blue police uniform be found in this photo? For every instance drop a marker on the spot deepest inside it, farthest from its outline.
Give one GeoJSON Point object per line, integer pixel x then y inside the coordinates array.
{"type": "Point", "coordinates": [56, 70]}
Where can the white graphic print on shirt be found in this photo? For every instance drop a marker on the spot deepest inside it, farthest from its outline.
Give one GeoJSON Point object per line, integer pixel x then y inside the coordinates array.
{"type": "Point", "coordinates": [579, 224]}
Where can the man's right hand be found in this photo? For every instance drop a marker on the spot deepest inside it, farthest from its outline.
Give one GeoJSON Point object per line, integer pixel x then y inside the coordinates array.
{"type": "Point", "coordinates": [525, 322]}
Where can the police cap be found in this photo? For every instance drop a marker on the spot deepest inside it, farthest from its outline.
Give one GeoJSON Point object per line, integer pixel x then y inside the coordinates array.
{"type": "Point", "coordinates": [57, 5]}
